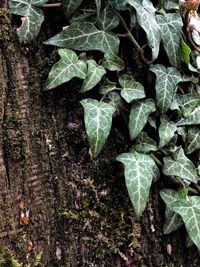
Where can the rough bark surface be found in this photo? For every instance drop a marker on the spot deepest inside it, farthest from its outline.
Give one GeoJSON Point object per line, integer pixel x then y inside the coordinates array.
{"type": "Point", "coordinates": [80, 214]}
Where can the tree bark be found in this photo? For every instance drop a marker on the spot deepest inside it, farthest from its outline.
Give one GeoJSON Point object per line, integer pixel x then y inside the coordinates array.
{"type": "Point", "coordinates": [80, 213]}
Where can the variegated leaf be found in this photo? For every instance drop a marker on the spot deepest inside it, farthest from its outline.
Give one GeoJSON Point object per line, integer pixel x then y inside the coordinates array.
{"type": "Point", "coordinates": [131, 89]}
{"type": "Point", "coordinates": [108, 19]}
{"type": "Point", "coordinates": [138, 116]}
{"type": "Point", "coordinates": [98, 121]}
{"type": "Point", "coordinates": [179, 165]}
{"type": "Point", "coordinates": [84, 36]}
{"type": "Point", "coordinates": [192, 119]}
{"type": "Point", "coordinates": [138, 176]}
{"type": "Point", "coordinates": [70, 6]}
{"type": "Point", "coordinates": [193, 140]}
{"type": "Point", "coordinates": [93, 76]}
{"type": "Point", "coordinates": [107, 86]}
{"type": "Point", "coordinates": [146, 19]}
{"type": "Point", "coordinates": [112, 62]}
{"type": "Point", "coordinates": [67, 68]}
{"type": "Point", "coordinates": [166, 82]}
{"type": "Point", "coordinates": [171, 28]}
{"type": "Point", "coordinates": [145, 144]}
{"type": "Point", "coordinates": [166, 131]}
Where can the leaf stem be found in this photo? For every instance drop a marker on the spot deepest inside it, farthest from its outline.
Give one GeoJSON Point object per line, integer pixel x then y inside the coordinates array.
{"type": "Point", "coordinates": [157, 161]}
{"type": "Point", "coordinates": [133, 40]}
{"type": "Point", "coordinates": [197, 187]}
{"type": "Point", "coordinates": [192, 190]}
{"type": "Point", "coordinates": [52, 5]}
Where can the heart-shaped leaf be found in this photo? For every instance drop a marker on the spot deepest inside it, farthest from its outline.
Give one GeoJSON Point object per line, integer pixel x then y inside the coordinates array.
{"type": "Point", "coordinates": [107, 86]}
{"type": "Point", "coordinates": [193, 140]}
{"type": "Point", "coordinates": [67, 68]}
{"type": "Point", "coordinates": [98, 121]}
{"type": "Point", "coordinates": [112, 62]}
{"type": "Point", "coordinates": [189, 210]}
{"type": "Point", "coordinates": [166, 82]}
{"type": "Point", "coordinates": [166, 131]}
{"type": "Point", "coordinates": [32, 18]}
{"type": "Point", "coordinates": [188, 102]}
{"type": "Point", "coordinates": [138, 176]}
{"type": "Point", "coordinates": [108, 19]}
{"type": "Point", "coordinates": [192, 119]}
{"type": "Point", "coordinates": [84, 36]}
{"type": "Point", "coordinates": [145, 144]}
{"type": "Point", "coordinates": [171, 28]}
{"type": "Point", "coordinates": [93, 76]}
{"type": "Point", "coordinates": [146, 19]}
{"type": "Point", "coordinates": [70, 6]}
{"type": "Point", "coordinates": [138, 116]}
{"type": "Point", "coordinates": [179, 165]}
{"type": "Point", "coordinates": [131, 89]}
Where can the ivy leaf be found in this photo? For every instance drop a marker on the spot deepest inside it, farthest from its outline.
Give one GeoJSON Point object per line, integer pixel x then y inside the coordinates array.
{"type": "Point", "coordinates": [131, 89]}
{"type": "Point", "coordinates": [98, 121]}
{"type": "Point", "coordinates": [193, 140]}
{"type": "Point", "coordinates": [192, 119]}
{"type": "Point", "coordinates": [115, 100]}
{"type": "Point", "coordinates": [145, 144]}
{"type": "Point", "coordinates": [85, 14]}
{"type": "Point", "coordinates": [138, 116]}
{"type": "Point", "coordinates": [185, 52]}
{"type": "Point", "coordinates": [171, 27]}
{"type": "Point", "coordinates": [171, 4]}
{"type": "Point", "coordinates": [173, 221]}
{"type": "Point", "coordinates": [189, 210]}
{"type": "Point", "coordinates": [119, 4]}
{"type": "Point", "coordinates": [107, 86]}
{"type": "Point", "coordinates": [112, 62]}
{"type": "Point", "coordinates": [166, 131]}
{"type": "Point", "coordinates": [84, 36]}
{"type": "Point", "coordinates": [93, 76]}
{"type": "Point", "coordinates": [32, 18]}
{"type": "Point", "coordinates": [146, 19]}
{"type": "Point", "coordinates": [98, 7]}
{"type": "Point", "coordinates": [70, 6]}
{"type": "Point", "coordinates": [67, 68]}
{"type": "Point", "coordinates": [138, 176]}
{"type": "Point", "coordinates": [166, 81]}
{"type": "Point", "coordinates": [188, 102]}
{"type": "Point", "coordinates": [179, 165]}
{"type": "Point", "coordinates": [108, 19]}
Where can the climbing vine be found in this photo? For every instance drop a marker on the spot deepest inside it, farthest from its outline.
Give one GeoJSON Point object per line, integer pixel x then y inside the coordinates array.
{"type": "Point", "coordinates": [161, 111]}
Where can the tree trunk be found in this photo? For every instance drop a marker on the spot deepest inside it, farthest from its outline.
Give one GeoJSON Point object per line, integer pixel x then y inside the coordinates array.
{"type": "Point", "coordinates": [80, 213]}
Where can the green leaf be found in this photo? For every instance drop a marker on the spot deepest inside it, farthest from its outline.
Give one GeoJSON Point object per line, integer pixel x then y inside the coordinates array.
{"type": "Point", "coordinates": [70, 6]}
{"type": "Point", "coordinates": [119, 4]}
{"type": "Point", "coordinates": [84, 36]}
{"type": "Point", "coordinates": [112, 62]}
{"type": "Point", "coordinates": [193, 140]}
{"type": "Point", "coordinates": [171, 28]}
{"type": "Point", "coordinates": [144, 144]}
{"type": "Point", "coordinates": [138, 116]}
{"type": "Point", "coordinates": [166, 82]}
{"type": "Point", "coordinates": [32, 18]}
{"type": "Point", "coordinates": [93, 76]}
{"type": "Point", "coordinates": [108, 19]}
{"type": "Point", "coordinates": [188, 102]}
{"type": "Point", "coordinates": [173, 221]}
{"type": "Point", "coordinates": [166, 131]}
{"type": "Point", "coordinates": [138, 176]}
{"type": "Point", "coordinates": [98, 121]}
{"type": "Point", "coordinates": [185, 52]}
{"type": "Point", "coordinates": [85, 14]}
{"type": "Point", "coordinates": [114, 99]}
{"type": "Point", "coordinates": [179, 165]}
{"type": "Point", "coordinates": [171, 4]}
{"type": "Point", "coordinates": [67, 68]}
{"type": "Point", "coordinates": [131, 89]}
{"type": "Point", "coordinates": [192, 119]}
{"type": "Point", "coordinates": [98, 7]}
{"type": "Point", "coordinates": [146, 19]}
{"type": "Point", "coordinates": [107, 86]}
{"type": "Point", "coordinates": [189, 210]}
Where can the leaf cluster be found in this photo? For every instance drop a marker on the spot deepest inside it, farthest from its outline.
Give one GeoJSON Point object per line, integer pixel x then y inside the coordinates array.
{"type": "Point", "coordinates": [163, 117]}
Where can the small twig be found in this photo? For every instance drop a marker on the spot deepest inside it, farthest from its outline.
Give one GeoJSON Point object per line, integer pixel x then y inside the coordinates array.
{"type": "Point", "coordinates": [52, 5]}
{"type": "Point", "coordinates": [157, 161]}
{"type": "Point", "coordinates": [192, 190]}
{"type": "Point", "coordinates": [197, 187]}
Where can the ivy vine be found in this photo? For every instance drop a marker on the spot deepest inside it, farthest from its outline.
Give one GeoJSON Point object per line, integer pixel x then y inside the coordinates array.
{"type": "Point", "coordinates": [164, 128]}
